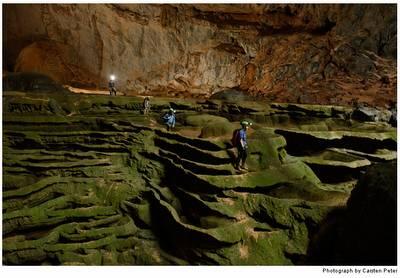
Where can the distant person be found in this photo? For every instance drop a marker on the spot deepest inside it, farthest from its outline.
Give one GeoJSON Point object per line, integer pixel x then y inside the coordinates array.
{"type": "Point", "coordinates": [239, 140]}
{"type": "Point", "coordinates": [111, 86]}
{"type": "Point", "coordinates": [146, 105]}
{"type": "Point", "coordinates": [169, 119]}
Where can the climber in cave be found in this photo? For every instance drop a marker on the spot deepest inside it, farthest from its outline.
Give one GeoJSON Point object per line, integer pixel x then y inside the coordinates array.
{"type": "Point", "coordinates": [169, 119]}
{"type": "Point", "coordinates": [240, 142]}
{"type": "Point", "coordinates": [146, 105]}
{"type": "Point", "coordinates": [111, 86]}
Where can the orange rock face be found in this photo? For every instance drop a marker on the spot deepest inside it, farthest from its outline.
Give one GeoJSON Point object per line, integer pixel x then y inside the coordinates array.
{"type": "Point", "coordinates": [326, 54]}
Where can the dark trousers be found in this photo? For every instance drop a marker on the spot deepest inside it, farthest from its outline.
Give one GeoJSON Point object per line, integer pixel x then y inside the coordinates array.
{"type": "Point", "coordinates": [242, 155]}
{"type": "Point", "coordinates": [113, 92]}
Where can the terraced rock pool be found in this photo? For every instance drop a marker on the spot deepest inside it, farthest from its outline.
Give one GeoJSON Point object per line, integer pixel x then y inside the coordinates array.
{"type": "Point", "coordinates": [90, 180]}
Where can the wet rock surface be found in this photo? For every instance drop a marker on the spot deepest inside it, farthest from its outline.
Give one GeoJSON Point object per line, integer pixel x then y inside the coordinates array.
{"type": "Point", "coordinates": [96, 182]}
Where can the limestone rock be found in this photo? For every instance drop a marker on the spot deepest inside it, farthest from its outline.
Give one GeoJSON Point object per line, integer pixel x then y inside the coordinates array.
{"type": "Point", "coordinates": [370, 114]}
{"type": "Point", "coordinates": [280, 52]}
{"type": "Point", "coordinates": [89, 180]}
{"type": "Point", "coordinates": [231, 96]}
{"type": "Point", "coordinates": [31, 82]}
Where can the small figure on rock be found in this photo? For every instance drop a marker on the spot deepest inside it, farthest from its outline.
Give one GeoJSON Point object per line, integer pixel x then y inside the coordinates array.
{"type": "Point", "coordinates": [111, 86]}
{"type": "Point", "coordinates": [169, 119]}
{"type": "Point", "coordinates": [146, 105]}
{"type": "Point", "coordinates": [239, 140]}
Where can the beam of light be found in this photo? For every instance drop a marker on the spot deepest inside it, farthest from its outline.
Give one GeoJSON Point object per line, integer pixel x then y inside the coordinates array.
{"type": "Point", "coordinates": [112, 77]}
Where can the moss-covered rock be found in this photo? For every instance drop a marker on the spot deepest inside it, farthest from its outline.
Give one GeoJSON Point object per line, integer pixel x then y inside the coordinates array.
{"type": "Point", "coordinates": [89, 180]}
{"type": "Point", "coordinates": [336, 158]}
{"type": "Point", "coordinates": [364, 233]}
{"type": "Point", "coordinates": [204, 119]}
{"type": "Point", "coordinates": [217, 129]}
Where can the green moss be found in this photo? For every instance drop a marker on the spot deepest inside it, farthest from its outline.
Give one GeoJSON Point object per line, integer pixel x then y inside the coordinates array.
{"type": "Point", "coordinates": [199, 168]}
{"type": "Point", "coordinates": [224, 206]}
{"type": "Point", "coordinates": [32, 188]}
{"type": "Point", "coordinates": [299, 171]}
{"type": "Point", "coordinates": [75, 246]}
{"type": "Point", "coordinates": [338, 134]}
{"type": "Point", "coordinates": [12, 182]}
{"type": "Point", "coordinates": [266, 149]}
{"type": "Point", "coordinates": [204, 119]}
{"type": "Point", "coordinates": [70, 258]}
{"type": "Point", "coordinates": [217, 129]}
{"type": "Point", "coordinates": [121, 244]}
{"type": "Point", "coordinates": [141, 212]}
{"type": "Point", "coordinates": [336, 158]}
{"type": "Point", "coordinates": [127, 258]}
{"type": "Point", "coordinates": [113, 193]}
{"type": "Point", "coordinates": [257, 248]}
{"type": "Point", "coordinates": [127, 229]}
{"type": "Point", "coordinates": [103, 184]}
{"type": "Point", "coordinates": [191, 152]}
{"type": "Point", "coordinates": [319, 126]}
{"type": "Point", "coordinates": [109, 257]}
{"type": "Point", "coordinates": [23, 257]}
{"type": "Point", "coordinates": [226, 234]}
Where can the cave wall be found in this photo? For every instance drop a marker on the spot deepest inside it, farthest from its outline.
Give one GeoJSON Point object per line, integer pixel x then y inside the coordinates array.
{"type": "Point", "coordinates": [337, 54]}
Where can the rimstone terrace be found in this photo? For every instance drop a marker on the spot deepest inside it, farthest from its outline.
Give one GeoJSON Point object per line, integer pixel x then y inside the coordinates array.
{"type": "Point", "coordinates": [90, 180]}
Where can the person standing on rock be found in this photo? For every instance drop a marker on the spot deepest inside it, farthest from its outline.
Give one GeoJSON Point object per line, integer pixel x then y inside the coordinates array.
{"type": "Point", "coordinates": [146, 105]}
{"type": "Point", "coordinates": [111, 86]}
{"type": "Point", "coordinates": [170, 119]}
{"type": "Point", "coordinates": [241, 145]}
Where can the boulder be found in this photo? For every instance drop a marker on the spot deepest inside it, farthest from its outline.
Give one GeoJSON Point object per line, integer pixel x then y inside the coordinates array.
{"type": "Point", "coordinates": [371, 114]}
{"type": "Point", "coordinates": [217, 129]}
{"type": "Point", "coordinates": [365, 232]}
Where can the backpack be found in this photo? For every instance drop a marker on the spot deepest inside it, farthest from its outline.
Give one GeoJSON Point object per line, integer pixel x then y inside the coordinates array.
{"type": "Point", "coordinates": [236, 138]}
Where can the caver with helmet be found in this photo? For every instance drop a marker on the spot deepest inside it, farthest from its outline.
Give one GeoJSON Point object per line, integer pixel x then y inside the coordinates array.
{"type": "Point", "coordinates": [239, 140]}
{"type": "Point", "coordinates": [111, 86]}
{"type": "Point", "coordinates": [170, 119]}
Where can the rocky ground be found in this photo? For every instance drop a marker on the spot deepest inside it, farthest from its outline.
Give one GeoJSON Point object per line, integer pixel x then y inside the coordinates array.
{"type": "Point", "coordinates": [90, 180]}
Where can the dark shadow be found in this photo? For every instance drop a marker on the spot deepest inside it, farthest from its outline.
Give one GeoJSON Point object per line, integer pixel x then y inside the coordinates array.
{"type": "Point", "coordinates": [365, 232]}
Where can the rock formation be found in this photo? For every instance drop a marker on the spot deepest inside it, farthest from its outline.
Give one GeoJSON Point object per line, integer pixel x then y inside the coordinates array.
{"type": "Point", "coordinates": [325, 54]}
{"type": "Point", "coordinates": [366, 232]}
{"type": "Point", "coordinates": [89, 180]}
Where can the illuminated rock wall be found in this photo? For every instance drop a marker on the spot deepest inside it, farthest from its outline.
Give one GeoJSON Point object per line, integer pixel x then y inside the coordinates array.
{"type": "Point", "coordinates": [337, 54]}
